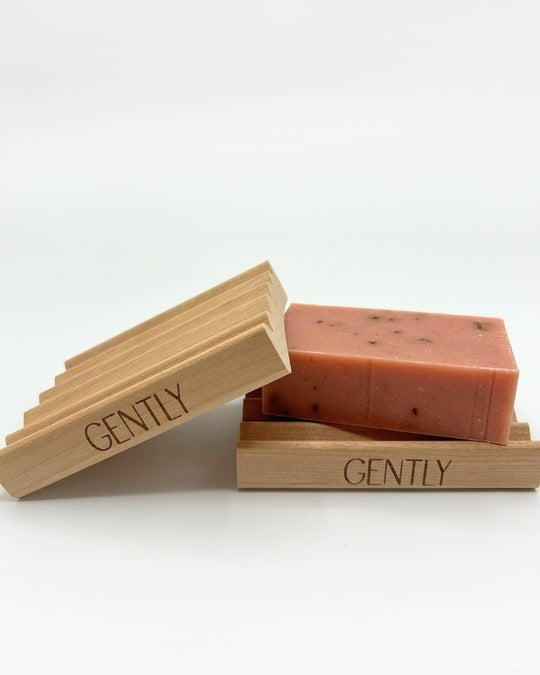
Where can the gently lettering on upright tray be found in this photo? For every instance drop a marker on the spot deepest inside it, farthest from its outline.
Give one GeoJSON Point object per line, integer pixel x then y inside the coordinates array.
{"type": "Point", "coordinates": [381, 471]}
{"type": "Point", "coordinates": [148, 413]}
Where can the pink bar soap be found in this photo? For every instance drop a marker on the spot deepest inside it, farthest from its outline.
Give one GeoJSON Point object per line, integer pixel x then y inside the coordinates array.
{"type": "Point", "coordinates": [435, 374]}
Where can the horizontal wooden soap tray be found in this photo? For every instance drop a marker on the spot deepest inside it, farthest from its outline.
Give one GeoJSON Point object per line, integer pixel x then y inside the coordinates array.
{"type": "Point", "coordinates": [155, 376]}
{"type": "Point", "coordinates": [274, 453]}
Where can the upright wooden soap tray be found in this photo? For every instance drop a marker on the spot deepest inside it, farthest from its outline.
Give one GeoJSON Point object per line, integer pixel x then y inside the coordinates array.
{"type": "Point", "coordinates": [273, 453]}
{"type": "Point", "coordinates": [155, 376]}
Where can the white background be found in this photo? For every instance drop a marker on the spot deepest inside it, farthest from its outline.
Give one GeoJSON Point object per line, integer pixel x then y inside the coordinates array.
{"type": "Point", "coordinates": [381, 154]}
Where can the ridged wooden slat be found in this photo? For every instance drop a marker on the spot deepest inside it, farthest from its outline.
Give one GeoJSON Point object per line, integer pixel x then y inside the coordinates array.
{"type": "Point", "coordinates": [273, 453]}
{"type": "Point", "coordinates": [195, 302]}
{"type": "Point", "coordinates": [182, 321]}
{"type": "Point", "coordinates": [150, 354]}
{"type": "Point", "coordinates": [234, 344]}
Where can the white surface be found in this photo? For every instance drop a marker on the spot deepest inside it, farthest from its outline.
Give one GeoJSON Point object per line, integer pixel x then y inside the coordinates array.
{"type": "Point", "coordinates": [379, 154]}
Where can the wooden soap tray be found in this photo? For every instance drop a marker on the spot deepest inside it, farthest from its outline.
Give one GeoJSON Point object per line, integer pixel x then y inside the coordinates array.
{"type": "Point", "coordinates": [275, 453]}
{"type": "Point", "coordinates": [155, 376]}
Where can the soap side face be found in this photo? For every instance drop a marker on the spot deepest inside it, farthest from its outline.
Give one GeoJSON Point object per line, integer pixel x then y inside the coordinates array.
{"type": "Point", "coordinates": [436, 374]}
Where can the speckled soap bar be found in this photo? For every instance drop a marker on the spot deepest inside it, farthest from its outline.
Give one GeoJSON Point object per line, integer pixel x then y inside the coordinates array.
{"type": "Point", "coordinates": [436, 374]}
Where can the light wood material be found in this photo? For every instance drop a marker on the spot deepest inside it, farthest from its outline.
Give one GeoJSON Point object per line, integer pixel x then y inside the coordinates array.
{"type": "Point", "coordinates": [150, 355]}
{"type": "Point", "coordinates": [196, 302]}
{"type": "Point", "coordinates": [272, 453]}
{"type": "Point", "coordinates": [184, 321]}
{"type": "Point", "coordinates": [233, 344]}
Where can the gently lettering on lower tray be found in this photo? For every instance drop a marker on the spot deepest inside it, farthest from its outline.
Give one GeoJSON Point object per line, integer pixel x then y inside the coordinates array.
{"type": "Point", "coordinates": [391, 472]}
{"type": "Point", "coordinates": [148, 413]}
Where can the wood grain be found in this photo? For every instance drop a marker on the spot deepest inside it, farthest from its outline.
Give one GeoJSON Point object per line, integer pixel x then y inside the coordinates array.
{"type": "Point", "coordinates": [183, 322]}
{"type": "Point", "coordinates": [151, 355]}
{"type": "Point", "coordinates": [273, 453]}
{"type": "Point", "coordinates": [242, 347]}
{"type": "Point", "coordinates": [194, 302]}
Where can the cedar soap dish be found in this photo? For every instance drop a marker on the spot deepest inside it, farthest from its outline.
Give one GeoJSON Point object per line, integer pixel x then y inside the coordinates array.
{"type": "Point", "coordinates": [155, 376]}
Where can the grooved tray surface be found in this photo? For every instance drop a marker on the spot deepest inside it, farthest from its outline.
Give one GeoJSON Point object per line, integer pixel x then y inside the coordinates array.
{"type": "Point", "coordinates": [155, 376]}
{"type": "Point", "coordinates": [275, 453]}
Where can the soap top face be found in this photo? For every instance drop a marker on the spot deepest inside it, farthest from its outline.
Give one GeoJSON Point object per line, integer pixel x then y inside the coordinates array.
{"type": "Point", "coordinates": [454, 340]}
